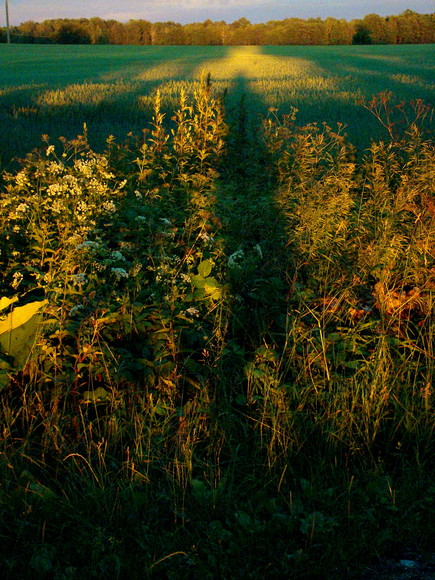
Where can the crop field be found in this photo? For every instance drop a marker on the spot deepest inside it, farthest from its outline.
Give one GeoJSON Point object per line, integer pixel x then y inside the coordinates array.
{"type": "Point", "coordinates": [217, 319]}
{"type": "Point", "coordinates": [53, 89]}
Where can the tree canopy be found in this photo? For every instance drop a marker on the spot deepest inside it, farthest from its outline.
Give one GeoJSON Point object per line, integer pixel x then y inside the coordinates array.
{"type": "Point", "coordinates": [406, 28]}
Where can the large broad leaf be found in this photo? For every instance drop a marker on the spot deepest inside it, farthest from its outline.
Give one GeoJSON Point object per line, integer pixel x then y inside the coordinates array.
{"type": "Point", "coordinates": [5, 302]}
{"type": "Point", "coordinates": [213, 288]}
{"type": "Point", "coordinates": [18, 330]}
{"type": "Point", "coordinates": [199, 281]}
{"type": "Point", "coordinates": [204, 268]}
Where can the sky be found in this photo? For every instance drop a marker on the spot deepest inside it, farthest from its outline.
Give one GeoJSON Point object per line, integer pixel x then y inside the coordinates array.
{"type": "Point", "coordinates": [185, 11]}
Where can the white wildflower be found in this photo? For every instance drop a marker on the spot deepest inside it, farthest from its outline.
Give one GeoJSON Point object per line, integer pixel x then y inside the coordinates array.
{"type": "Point", "coordinates": [192, 311]}
{"type": "Point", "coordinates": [117, 256]}
{"type": "Point", "coordinates": [236, 259]}
{"type": "Point", "coordinates": [57, 189]}
{"type": "Point", "coordinates": [84, 166]}
{"type": "Point", "coordinates": [81, 210]}
{"type": "Point", "coordinates": [88, 245]}
{"type": "Point", "coordinates": [206, 237]}
{"type": "Point", "coordinates": [76, 309]}
{"type": "Point", "coordinates": [54, 168]}
{"type": "Point", "coordinates": [166, 222]}
{"type": "Point", "coordinates": [79, 279]}
{"type": "Point", "coordinates": [57, 206]}
{"type": "Point", "coordinates": [257, 248]}
{"type": "Point", "coordinates": [119, 273]}
{"type": "Point", "coordinates": [99, 267]}
{"type": "Point", "coordinates": [109, 206]}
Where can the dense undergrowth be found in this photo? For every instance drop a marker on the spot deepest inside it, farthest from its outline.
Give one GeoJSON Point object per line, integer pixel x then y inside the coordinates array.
{"type": "Point", "coordinates": [218, 350]}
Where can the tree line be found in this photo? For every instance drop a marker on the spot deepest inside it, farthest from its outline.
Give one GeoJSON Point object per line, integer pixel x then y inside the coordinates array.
{"type": "Point", "coordinates": [406, 28]}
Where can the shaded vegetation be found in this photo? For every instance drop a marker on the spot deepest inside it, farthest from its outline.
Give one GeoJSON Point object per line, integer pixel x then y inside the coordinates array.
{"type": "Point", "coordinates": [227, 365]}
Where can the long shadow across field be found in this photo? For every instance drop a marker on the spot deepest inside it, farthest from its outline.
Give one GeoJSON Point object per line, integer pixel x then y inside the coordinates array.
{"type": "Point", "coordinates": [53, 91]}
{"type": "Point", "coordinates": [254, 232]}
{"type": "Point", "coordinates": [355, 73]}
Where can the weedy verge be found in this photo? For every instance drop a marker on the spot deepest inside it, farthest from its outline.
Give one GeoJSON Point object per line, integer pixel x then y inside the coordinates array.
{"type": "Point", "coordinates": [226, 359]}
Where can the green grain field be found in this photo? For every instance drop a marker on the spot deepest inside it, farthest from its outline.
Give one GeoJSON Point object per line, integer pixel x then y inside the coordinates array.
{"type": "Point", "coordinates": [53, 89]}
{"type": "Point", "coordinates": [217, 313]}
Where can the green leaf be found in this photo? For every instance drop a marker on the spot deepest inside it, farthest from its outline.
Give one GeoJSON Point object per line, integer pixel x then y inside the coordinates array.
{"type": "Point", "coordinates": [198, 281]}
{"type": "Point", "coordinates": [212, 283]}
{"type": "Point", "coordinates": [4, 380]}
{"type": "Point", "coordinates": [18, 331]}
{"type": "Point", "coordinates": [352, 364]}
{"type": "Point", "coordinates": [5, 302]}
{"type": "Point", "coordinates": [199, 489]}
{"type": "Point", "coordinates": [214, 293]}
{"type": "Point", "coordinates": [97, 395]}
{"type": "Point", "coordinates": [204, 268]}
{"type": "Point", "coordinates": [41, 561]}
{"type": "Point", "coordinates": [20, 315]}
{"type": "Point", "coordinates": [243, 519]}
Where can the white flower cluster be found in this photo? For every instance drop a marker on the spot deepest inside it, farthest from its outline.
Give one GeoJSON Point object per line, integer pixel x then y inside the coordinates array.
{"type": "Point", "coordinates": [117, 256]}
{"type": "Point", "coordinates": [258, 249]}
{"type": "Point", "coordinates": [87, 167]}
{"type": "Point", "coordinates": [79, 279]}
{"type": "Point", "coordinates": [205, 237]}
{"type": "Point", "coordinates": [119, 273]}
{"type": "Point", "coordinates": [88, 245]}
{"type": "Point", "coordinates": [167, 270]}
{"type": "Point", "coordinates": [109, 206]}
{"type": "Point", "coordinates": [235, 260]}
{"type": "Point", "coordinates": [76, 309]}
